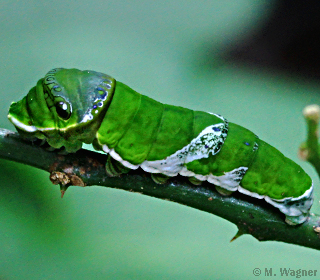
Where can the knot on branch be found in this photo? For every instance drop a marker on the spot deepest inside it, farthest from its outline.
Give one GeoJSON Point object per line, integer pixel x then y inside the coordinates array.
{"type": "Point", "coordinates": [65, 179]}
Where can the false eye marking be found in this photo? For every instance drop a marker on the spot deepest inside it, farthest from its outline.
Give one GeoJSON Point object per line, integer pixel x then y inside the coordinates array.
{"type": "Point", "coordinates": [63, 110]}
{"type": "Point", "coordinates": [96, 86]}
{"type": "Point", "coordinates": [51, 82]}
{"type": "Point", "coordinates": [57, 88]}
{"type": "Point", "coordinates": [50, 88]}
{"type": "Point", "coordinates": [101, 92]}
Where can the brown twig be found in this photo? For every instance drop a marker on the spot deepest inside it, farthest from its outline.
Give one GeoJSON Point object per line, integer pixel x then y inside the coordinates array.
{"type": "Point", "coordinates": [86, 168]}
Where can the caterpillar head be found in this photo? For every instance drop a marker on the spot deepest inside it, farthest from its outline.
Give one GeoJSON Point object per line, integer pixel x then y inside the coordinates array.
{"type": "Point", "coordinates": [66, 107]}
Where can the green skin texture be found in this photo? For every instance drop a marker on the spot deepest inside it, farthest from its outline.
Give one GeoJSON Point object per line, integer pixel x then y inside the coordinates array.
{"type": "Point", "coordinates": [147, 126]}
{"type": "Point", "coordinates": [138, 129]}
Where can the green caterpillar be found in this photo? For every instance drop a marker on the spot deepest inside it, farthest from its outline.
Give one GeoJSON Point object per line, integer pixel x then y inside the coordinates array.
{"type": "Point", "coordinates": [69, 107]}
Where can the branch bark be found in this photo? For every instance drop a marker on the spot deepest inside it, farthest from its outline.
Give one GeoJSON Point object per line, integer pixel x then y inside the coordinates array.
{"type": "Point", "coordinates": [85, 168]}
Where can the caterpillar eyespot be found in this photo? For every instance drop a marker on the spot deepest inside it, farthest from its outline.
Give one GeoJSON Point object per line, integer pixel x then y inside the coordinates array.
{"type": "Point", "coordinates": [164, 140]}
{"type": "Point", "coordinates": [63, 109]}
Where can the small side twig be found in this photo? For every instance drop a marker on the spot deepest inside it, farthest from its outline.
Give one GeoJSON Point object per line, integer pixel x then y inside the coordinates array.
{"type": "Point", "coordinates": [309, 150]}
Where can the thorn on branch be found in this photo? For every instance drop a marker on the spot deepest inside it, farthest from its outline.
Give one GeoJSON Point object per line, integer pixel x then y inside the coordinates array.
{"type": "Point", "coordinates": [65, 180]}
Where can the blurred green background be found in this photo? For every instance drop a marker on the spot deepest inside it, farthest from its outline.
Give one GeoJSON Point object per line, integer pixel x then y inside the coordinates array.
{"type": "Point", "coordinates": [161, 49]}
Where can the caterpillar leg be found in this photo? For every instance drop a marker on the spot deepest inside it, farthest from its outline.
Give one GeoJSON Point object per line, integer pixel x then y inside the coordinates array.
{"type": "Point", "coordinates": [296, 220]}
{"type": "Point", "coordinates": [223, 191]}
{"type": "Point", "coordinates": [195, 181]}
{"type": "Point", "coordinates": [159, 178]}
{"type": "Point", "coordinates": [96, 145]}
{"type": "Point", "coordinates": [115, 168]}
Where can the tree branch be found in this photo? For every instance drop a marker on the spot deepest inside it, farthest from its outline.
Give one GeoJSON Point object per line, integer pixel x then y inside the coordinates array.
{"type": "Point", "coordinates": [86, 168]}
